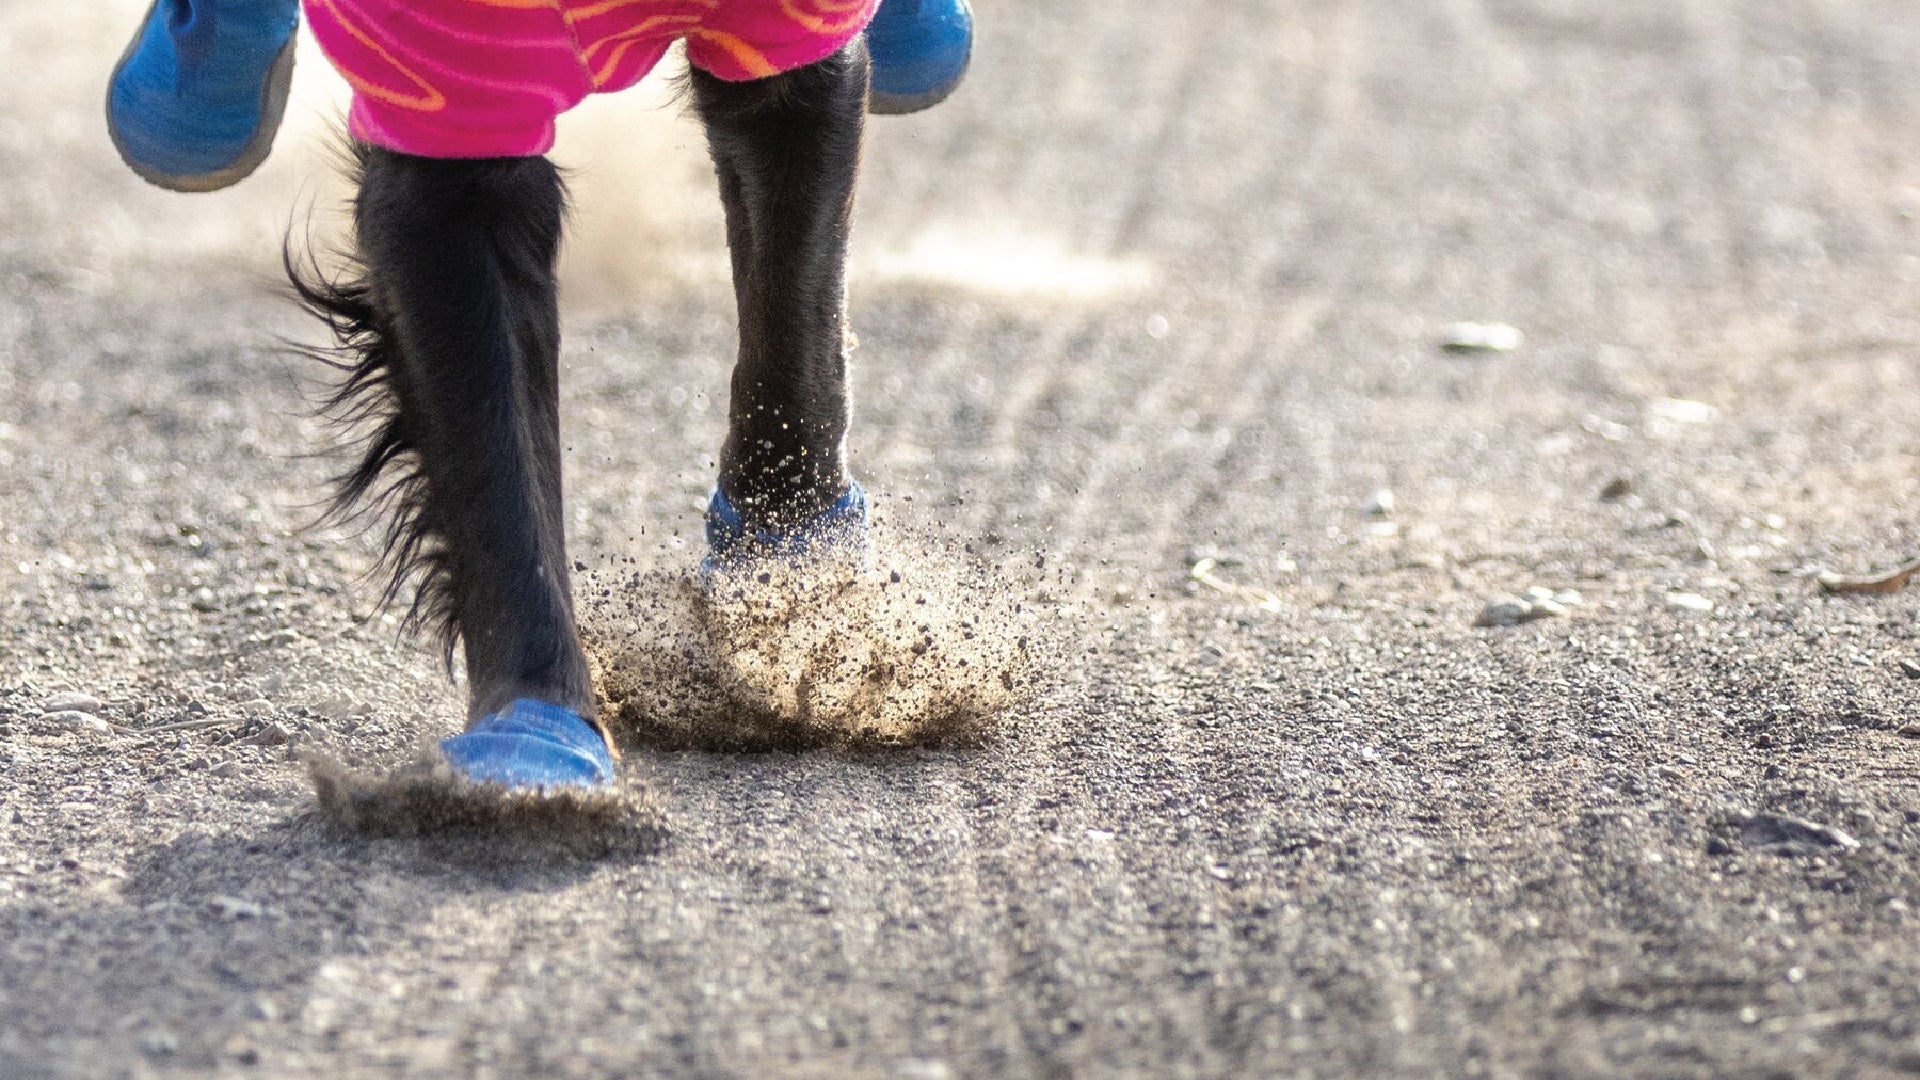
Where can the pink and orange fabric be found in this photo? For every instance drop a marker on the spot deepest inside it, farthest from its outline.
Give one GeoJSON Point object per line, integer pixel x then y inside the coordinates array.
{"type": "Point", "coordinates": [487, 78]}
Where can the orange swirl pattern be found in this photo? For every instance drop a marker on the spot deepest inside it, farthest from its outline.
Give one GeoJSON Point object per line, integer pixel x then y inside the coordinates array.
{"type": "Point", "coordinates": [828, 17]}
{"type": "Point", "coordinates": [487, 78]}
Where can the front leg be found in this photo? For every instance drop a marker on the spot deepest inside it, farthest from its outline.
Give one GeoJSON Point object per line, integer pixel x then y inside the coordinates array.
{"type": "Point", "coordinates": [454, 336]}
{"type": "Point", "coordinates": [787, 149]}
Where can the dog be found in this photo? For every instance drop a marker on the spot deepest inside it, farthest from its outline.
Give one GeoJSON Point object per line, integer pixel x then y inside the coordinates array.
{"type": "Point", "coordinates": [448, 329]}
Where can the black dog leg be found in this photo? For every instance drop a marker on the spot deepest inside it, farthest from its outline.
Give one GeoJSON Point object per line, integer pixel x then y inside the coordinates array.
{"type": "Point", "coordinates": [786, 150]}
{"type": "Point", "coordinates": [457, 334]}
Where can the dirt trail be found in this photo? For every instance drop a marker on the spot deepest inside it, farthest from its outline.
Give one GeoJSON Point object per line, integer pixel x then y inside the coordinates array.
{"type": "Point", "coordinates": [1160, 285]}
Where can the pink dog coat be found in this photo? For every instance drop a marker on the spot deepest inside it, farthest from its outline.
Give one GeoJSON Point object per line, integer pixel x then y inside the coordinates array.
{"type": "Point", "coordinates": [486, 78]}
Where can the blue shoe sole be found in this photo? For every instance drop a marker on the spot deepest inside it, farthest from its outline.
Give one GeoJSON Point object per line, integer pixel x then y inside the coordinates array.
{"type": "Point", "coordinates": [274, 91]}
{"type": "Point", "coordinates": [838, 534]}
{"type": "Point", "coordinates": [532, 746]}
{"type": "Point", "coordinates": [918, 56]}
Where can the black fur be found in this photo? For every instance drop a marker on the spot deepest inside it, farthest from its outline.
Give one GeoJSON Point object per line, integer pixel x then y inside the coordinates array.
{"type": "Point", "coordinates": [448, 336]}
{"type": "Point", "coordinates": [787, 151]}
{"type": "Point", "coordinates": [385, 481]}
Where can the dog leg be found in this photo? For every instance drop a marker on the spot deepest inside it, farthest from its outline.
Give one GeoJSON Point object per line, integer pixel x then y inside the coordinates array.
{"type": "Point", "coordinates": [458, 336]}
{"type": "Point", "coordinates": [786, 150]}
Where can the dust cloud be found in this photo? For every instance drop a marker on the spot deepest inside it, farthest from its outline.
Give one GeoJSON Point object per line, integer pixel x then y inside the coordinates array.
{"type": "Point", "coordinates": [425, 799]}
{"type": "Point", "coordinates": [923, 648]}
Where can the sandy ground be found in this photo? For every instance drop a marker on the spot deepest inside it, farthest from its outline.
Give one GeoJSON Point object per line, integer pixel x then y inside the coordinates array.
{"type": "Point", "coordinates": [1165, 283]}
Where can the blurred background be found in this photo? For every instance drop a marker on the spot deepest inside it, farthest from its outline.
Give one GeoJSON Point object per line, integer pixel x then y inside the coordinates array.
{"type": "Point", "coordinates": [636, 161]}
{"type": "Point", "coordinates": [633, 148]}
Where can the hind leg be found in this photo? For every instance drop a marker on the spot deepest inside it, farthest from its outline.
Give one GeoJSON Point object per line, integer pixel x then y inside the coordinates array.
{"type": "Point", "coordinates": [459, 331]}
{"type": "Point", "coordinates": [786, 150]}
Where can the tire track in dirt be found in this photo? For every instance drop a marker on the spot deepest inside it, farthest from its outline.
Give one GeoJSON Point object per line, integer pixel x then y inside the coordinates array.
{"type": "Point", "coordinates": [1045, 938]}
{"type": "Point", "coordinates": [1207, 365]}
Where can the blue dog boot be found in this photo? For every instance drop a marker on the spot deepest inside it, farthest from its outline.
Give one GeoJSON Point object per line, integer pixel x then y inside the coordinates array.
{"type": "Point", "coordinates": [195, 100]}
{"type": "Point", "coordinates": [839, 533]}
{"type": "Point", "coordinates": [919, 51]}
{"type": "Point", "coordinates": [532, 746]}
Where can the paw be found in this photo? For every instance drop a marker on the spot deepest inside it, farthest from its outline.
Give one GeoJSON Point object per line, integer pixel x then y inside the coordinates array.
{"type": "Point", "coordinates": [919, 51]}
{"type": "Point", "coordinates": [838, 535]}
{"type": "Point", "coordinates": [531, 746]}
{"type": "Point", "coordinates": [195, 101]}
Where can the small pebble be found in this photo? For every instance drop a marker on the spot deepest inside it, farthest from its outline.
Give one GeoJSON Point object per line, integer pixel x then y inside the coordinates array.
{"type": "Point", "coordinates": [273, 734]}
{"type": "Point", "coordinates": [1504, 611]}
{"type": "Point", "coordinates": [1910, 669]}
{"type": "Point", "coordinates": [1618, 488]}
{"type": "Point", "coordinates": [83, 723]}
{"type": "Point", "coordinates": [1480, 337]}
{"type": "Point", "coordinates": [1208, 553]}
{"type": "Point", "coordinates": [1379, 504]}
{"type": "Point", "coordinates": [1775, 834]}
{"type": "Point", "coordinates": [72, 702]}
{"type": "Point", "coordinates": [1514, 610]}
{"type": "Point", "coordinates": [1687, 601]}
{"type": "Point", "coordinates": [235, 908]}
{"type": "Point", "coordinates": [1682, 411]}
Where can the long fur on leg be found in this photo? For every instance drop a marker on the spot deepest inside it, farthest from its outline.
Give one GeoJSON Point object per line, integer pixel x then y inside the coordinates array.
{"type": "Point", "coordinates": [385, 483]}
{"type": "Point", "coordinates": [493, 225]}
